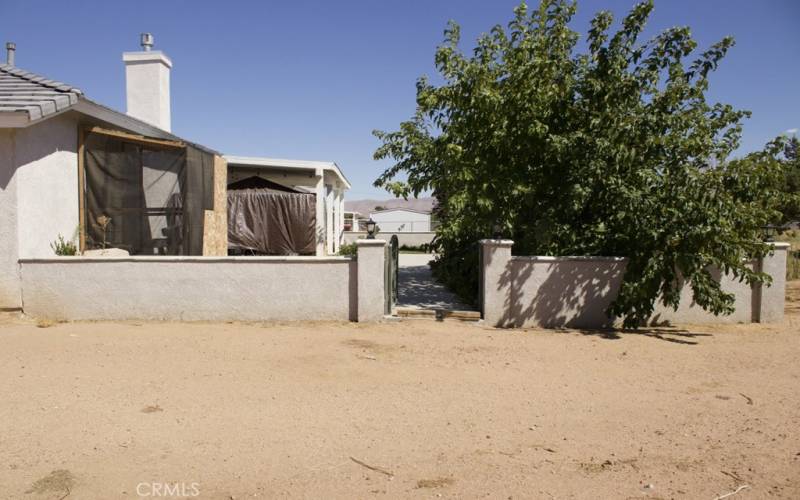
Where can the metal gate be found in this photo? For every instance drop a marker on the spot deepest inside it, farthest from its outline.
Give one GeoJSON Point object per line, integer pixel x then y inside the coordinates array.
{"type": "Point", "coordinates": [390, 273]}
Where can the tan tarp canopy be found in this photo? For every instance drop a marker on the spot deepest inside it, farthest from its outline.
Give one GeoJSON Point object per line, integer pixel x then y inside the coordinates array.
{"type": "Point", "coordinates": [266, 218]}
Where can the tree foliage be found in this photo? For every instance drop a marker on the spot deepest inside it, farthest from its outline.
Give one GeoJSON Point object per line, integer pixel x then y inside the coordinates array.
{"type": "Point", "coordinates": [791, 205]}
{"type": "Point", "coordinates": [614, 151]}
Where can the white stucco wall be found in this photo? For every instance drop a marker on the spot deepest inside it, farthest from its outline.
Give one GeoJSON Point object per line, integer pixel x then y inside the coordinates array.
{"type": "Point", "coordinates": [745, 304]}
{"type": "Point", "coordinates": [575, 292]}
{"type": "Point", "coordinates": [192, 288]}
{"type": "Point", "coordinates": [371, 281]}
{"type": "Point", "coordinates": [9, 269]}
{"type": "Point", "coordinates": [772, 300]}
{"type": "Point", "coordinates": [38, 195]}
{"type": "Point", "coordinates": [47, 184]}
{"type": "Point", "coordinates": [393, 221]}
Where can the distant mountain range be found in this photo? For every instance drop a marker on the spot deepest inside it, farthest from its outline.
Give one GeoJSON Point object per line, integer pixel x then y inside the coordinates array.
{"type": "Point", "coordinates": [364, 207]}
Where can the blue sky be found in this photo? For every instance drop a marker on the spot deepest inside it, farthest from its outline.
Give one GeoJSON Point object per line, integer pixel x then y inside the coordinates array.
{"type": "Point", "coordinates": [311, 80]}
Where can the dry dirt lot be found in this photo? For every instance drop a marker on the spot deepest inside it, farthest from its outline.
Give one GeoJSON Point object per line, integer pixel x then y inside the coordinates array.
{"type": "Point", "coordinates": [411, 409]}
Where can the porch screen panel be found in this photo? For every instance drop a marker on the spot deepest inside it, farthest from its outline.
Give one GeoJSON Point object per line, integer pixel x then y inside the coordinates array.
{"type": "Point", "coordinates": [153, 197]}
{"type": "Point", "coordinates": [114, 191]}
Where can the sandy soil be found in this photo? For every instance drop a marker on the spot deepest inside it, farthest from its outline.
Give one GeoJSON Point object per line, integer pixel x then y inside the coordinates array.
{"type": "Point", "coordinates": [412, 409]}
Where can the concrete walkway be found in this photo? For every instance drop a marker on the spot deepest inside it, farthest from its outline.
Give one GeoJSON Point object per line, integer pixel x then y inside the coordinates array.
{"type": "Point", "coordinates": [417, 288]}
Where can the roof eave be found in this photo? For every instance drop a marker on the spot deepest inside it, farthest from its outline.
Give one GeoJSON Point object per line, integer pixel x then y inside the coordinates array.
{"type": "Point", "coordinates": [341, 175]}
{"type": "Point", "coordinates": [399, 209]}
{"type": "Point", "coordinates": [15, 119]}
{"type": "Point", "coordinates": [122, 120]}
{"type": "Point", "coordinates": [283, 163]}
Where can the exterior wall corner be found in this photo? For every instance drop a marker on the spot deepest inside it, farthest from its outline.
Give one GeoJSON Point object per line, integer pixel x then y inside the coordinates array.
{"type": "Point", "coordinates": [494, 288]}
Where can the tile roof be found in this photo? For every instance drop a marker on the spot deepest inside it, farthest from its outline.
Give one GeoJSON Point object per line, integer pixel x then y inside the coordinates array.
{"type": "Point", "coordinates": [34, 97]}
{"type": "Point", "coordinates": [25, 92]}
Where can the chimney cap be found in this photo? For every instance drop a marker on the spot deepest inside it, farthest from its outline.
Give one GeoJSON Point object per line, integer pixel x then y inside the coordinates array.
{"type": "Point", "coordinates": [146, 40]}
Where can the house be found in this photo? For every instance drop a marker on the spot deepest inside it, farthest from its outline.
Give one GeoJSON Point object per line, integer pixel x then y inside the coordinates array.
{"type": "Point", "coordinates": [400, 220]}
{"type": "Point", "coordinates": [353, 220]}
{"type": "Point", "coordinates": [75, 168]}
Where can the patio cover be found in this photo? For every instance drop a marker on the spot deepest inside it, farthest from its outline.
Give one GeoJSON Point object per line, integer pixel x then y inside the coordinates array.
{"type": "Point", "coordinates": [270, 219]}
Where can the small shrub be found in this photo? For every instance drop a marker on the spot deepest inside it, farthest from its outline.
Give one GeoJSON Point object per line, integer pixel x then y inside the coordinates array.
{"type": "Point", "coordinates": [424, 248]}
{"type": "Point", "coordinates": [348, 249]}
{"type": "Point", "coordinates": [64, 247]}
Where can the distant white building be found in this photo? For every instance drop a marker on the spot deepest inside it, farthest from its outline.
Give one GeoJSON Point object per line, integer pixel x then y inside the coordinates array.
{"type": "Point", "coordinates": [402, 220]}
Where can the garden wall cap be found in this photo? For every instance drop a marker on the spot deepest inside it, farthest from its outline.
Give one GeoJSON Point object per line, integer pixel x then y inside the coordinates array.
{"type": "Point", "coordinates": [499, 243]}
{"type": "Point", "coordinates": [568, 258]}
{"type": "Point", "coordinates": [370, 243]}
{"type": "Point", "coordinates": [186, 259]}
{"type": "Point", "coordinates": [780, 244]}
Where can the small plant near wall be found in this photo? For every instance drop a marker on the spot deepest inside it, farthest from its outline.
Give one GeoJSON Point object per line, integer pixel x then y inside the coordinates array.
{"type": "Point", "coordinates": [348, 249]}
{"type": "Point", "coordinates": [64, 247]}
{"type": "Point", "coordinates": [102, 222]}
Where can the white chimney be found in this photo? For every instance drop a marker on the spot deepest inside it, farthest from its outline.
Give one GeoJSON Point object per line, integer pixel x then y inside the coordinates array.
{"type": "Point", "coordinates": [147, 84]}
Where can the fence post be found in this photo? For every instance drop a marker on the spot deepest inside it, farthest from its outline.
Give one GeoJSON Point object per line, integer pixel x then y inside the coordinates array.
{"type": "Point", "coordinates": [370, 276]}
{"type": "Point", "coordinates": [773, 297]}
{"type": "Point", "coordinates": [495, 291]}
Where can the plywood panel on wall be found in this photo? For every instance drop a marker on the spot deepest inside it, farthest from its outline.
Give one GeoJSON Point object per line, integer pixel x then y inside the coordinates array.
{"type": "Point", "coordinates": [215, 227]}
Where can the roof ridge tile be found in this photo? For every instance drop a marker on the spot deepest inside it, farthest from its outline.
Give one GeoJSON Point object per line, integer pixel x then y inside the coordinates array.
{"type": "Point", "coordinates": [36, 95]}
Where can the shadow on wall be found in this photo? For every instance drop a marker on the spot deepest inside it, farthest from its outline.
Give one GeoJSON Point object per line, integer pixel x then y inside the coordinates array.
{"type": "Point", "coordinates": [58, 134]}
{"type": "Point", "coordinates": [6, 157]}
{"type": "Point", "coordinates": [352, 287]}
{"type": "Point", "coordinates": [568, 293]}
{"type": "Point", "coordinates": [661, 314]}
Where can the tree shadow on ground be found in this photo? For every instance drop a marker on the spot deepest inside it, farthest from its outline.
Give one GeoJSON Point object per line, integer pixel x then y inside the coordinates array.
{"type": "Point", "coordinates": [674, 335]}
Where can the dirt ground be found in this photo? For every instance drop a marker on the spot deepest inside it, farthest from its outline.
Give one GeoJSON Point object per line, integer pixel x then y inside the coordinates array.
{"type": "Point", "coordinates": [417, 409]}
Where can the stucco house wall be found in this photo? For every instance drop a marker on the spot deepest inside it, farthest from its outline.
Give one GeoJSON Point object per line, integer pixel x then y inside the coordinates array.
{"type": "Point", "coordinates": [9, 248]}
{"type": "Point", "coordinates": [39, 197]}
{"type": "Point", "coordinates": [47, 184]}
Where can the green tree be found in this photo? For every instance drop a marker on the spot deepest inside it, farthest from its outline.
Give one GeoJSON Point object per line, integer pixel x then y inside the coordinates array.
{"type": "Point", "coordinates": [610, 152]}
{"type": "Point", "coordinates": [791, 206]}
